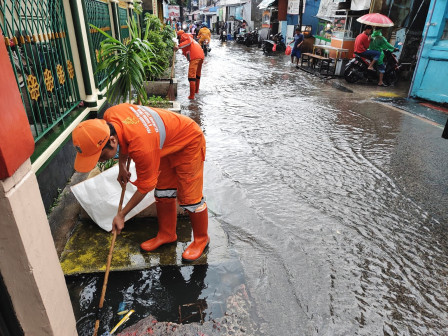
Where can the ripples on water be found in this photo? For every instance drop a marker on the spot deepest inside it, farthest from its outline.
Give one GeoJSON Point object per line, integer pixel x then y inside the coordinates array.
{"type": "Point", "coordinates": [303, 179]}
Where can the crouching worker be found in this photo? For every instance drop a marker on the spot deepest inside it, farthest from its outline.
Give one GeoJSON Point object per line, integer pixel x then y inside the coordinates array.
{"type": "Point", "coordinates": [195, 55]}
{"type": "Point", "coordinates": [169, 152]}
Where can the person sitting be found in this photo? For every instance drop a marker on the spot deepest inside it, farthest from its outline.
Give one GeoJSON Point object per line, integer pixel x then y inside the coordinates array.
{"type": "Point", "coordinates": [379, 43]}
{"type": "Point", "coordinates": [204, 34]}
{"type": "Point", "coordinates": [362, 43]}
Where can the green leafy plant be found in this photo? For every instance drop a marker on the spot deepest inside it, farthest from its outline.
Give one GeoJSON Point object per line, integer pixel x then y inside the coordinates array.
{"type": "Point", "coordinates": [157, 101]}
{"type": "Point", "coordinates": [127, 64]}
{"type": "Point", "coordinates": [102, 166]}
{"type": "Point", "coordinates": [161, 37]}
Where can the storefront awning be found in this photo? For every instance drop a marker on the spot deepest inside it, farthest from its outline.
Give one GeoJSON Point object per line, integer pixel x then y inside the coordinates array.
{"type": "Point", "coordinates": [213, 9]}
{"type": "Point", "coordinates": [265, 4]}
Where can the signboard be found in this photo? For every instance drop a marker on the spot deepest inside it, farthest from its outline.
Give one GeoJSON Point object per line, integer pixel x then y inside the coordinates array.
{"type": "Point", "coordinates": [154, 8]}
{"type": "Point", "coordinates": [266, 19]}
{"type": "Point", "coordinates": [293, 7]}
{"type": "Point", "coordinates": [173, 11]}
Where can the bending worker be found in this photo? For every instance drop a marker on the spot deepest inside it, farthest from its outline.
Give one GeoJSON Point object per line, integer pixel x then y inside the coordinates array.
{"type": "Point", "coordinates": [204, 34]}
{"type": "Point", "coordinates": [169, 152]}
{"type": "Point", "coordinates": [194, 54]}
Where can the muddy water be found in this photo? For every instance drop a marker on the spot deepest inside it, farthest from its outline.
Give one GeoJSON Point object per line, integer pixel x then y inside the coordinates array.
{"type": "Point", "coordinates": [335, 205]}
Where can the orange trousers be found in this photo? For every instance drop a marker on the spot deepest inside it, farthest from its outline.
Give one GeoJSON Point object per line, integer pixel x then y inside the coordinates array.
{"type": "Point", "coordinates": [194, 69]}
{"type": "Point", "coordinates": [184, 171]}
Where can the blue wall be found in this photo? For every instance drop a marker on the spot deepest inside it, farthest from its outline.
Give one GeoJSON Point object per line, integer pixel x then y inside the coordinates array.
{"type": "Point", "coordinates": [431, 75]}
{"type": "Point", "coordinates": [308, 18]}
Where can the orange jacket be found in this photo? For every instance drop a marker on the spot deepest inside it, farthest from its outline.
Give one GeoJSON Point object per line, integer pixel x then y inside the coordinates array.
{"type": "Point", "coordinates": [188, 45]}
{"type": "Point", "coordinates": [139, 137]}
{"type": "Point", "coordinates": [204, 33]}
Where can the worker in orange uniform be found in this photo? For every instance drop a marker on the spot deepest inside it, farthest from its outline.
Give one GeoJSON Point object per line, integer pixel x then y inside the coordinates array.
{"type": "Point", "coordinates": [169, 152]}
{"type": "Point", "coordinates": [204, 34]}
{"type": "Point", "coordinates": [194, 54]}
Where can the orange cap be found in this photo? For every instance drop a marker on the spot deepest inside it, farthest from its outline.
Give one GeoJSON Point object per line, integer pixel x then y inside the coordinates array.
{"type": "Point", "coordinates": [89, 139]}
{"type": "Point", "coordinates": [180, 32]}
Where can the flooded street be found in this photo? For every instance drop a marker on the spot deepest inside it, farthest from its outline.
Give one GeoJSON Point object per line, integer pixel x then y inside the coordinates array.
{"type": "Point", "coordinates": [334, 205]}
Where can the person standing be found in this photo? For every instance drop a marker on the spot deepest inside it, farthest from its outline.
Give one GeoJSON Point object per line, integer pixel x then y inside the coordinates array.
{"type": "Point", "coordinates": [169, 152]}
{"type": "Point", "coordinates": [362, 43]}
{"type": "Point", "coordinates": [297, 48]}
{"type": "Point", "coordinates": [195, 55]}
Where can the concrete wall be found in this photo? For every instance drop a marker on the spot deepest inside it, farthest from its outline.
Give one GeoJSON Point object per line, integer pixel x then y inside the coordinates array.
{"type": "Point", "coordinates": [28, 261]}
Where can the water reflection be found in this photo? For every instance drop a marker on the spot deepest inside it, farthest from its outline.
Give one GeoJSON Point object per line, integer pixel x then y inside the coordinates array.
{"type": "Point", "coordinates": [170, 293]}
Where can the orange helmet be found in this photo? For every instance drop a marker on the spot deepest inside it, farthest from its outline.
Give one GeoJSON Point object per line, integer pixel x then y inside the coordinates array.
{"type": "Point", "coordinates": [180, 33]}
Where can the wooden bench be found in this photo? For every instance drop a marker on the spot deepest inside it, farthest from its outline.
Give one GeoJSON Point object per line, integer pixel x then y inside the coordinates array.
{"type": "Point", "coordinates": [312, 60]}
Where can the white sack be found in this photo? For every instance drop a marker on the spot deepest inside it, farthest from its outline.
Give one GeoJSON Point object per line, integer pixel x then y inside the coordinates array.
{"type": "Point", "coordinates": [100, 196]}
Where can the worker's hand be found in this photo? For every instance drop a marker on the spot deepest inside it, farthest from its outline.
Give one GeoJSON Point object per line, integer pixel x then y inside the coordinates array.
{"type": "Point", "coordinates": [118, 224]}
{"type": "Point", "coordinates": [123, 175]}
{"type": "Point", "coordinates": [176, 48]}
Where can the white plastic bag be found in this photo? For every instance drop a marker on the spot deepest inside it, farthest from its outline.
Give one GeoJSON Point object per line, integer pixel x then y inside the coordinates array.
{"type": "Point", "coordinates": [100, 196]}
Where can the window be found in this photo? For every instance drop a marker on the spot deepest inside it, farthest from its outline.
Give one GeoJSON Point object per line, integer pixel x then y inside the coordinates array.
{"type": "Point", "coordinates": [445, 31]}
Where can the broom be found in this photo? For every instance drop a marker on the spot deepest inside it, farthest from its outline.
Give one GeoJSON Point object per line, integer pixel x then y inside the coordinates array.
{"type": "Point", "coordinates": [109, 259]}
{"type": "Point", "coordinates": [171, 95]}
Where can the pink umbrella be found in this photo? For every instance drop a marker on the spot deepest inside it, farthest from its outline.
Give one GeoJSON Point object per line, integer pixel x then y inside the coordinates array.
{"type": "Point", "coordinates": [376, 19]}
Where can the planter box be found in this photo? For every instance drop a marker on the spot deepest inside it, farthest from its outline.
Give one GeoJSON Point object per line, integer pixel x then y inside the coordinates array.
{"type": "Point", "coordinates": [160, 87]}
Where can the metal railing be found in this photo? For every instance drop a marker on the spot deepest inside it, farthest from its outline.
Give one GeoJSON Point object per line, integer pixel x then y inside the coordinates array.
{"type": "Point", "coordinates": [98, 15]}
{"type": "Point", "coordinates": [40, 54]}
{"type": "Point", "coordinates": [123, 22]}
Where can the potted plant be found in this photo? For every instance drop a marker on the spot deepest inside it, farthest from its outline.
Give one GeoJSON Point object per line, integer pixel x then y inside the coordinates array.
{"type": "Point", "coordinates": [127, 64]}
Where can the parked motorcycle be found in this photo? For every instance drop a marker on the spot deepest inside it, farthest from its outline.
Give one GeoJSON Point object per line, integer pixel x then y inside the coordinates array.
{"type": "Point", "coordinates": [251, 38]}
{"type": "Point", "coordinates": [240, 36]}
{"type": "Point", "coordinates": [276, 40]}
{"type": "Point", "coordinates": [357, 69]}
{"type": "Point", "coordinates": [206, 47]}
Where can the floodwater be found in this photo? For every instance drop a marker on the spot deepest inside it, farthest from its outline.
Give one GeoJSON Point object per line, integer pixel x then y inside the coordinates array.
{"type": "Point", "coordinates": [334, 205]}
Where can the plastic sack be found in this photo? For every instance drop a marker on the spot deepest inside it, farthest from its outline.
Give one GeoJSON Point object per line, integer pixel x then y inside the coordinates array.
{"type": "Point", "coordinates": [274, 47]}
{"type": "Point", "coordinates": [100, 196]}
{"type": "Point", "coordinates": [288, 50]}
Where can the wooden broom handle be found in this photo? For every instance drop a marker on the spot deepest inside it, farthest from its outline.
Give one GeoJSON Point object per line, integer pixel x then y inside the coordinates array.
{"type": "Point", "coordinates": [109, 257]}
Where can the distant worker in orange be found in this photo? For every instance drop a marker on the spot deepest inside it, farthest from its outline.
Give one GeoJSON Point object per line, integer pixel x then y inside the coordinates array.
{"type": "Point", "coordinates": [169, 152]}
{"type": "Point", "coordinates": [195, 55]}
{"type": "Point", "coordinates": [204, 34]}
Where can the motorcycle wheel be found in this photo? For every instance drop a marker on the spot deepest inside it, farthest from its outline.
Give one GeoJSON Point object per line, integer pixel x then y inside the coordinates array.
{"type": "Point", "coordinates": [391, 78]}
{"type": "Point", "coordinates": [351, 74]}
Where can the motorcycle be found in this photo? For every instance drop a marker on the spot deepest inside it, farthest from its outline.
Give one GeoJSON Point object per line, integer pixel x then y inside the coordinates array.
{"type": "Point", "coordinates": [240, 36]}
{"type": "Point", "coordinates": [276, 40]}
{"type": "Point", "coordinates": [223, 35]}
{"type": "Point", "coordinates": [205, 47]}
{"type": "Point", "coordinates": [357, 69]}
{"type": "Point", "coordinates": [251, 38]}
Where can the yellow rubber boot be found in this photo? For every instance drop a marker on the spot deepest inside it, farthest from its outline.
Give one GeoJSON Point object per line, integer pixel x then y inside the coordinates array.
{"type": "Point", "coordinates": [192, 89]}
{"type": "Point", "coordinates": [199, 223]}
{"type": "Point", "coordinates": [167, 218]}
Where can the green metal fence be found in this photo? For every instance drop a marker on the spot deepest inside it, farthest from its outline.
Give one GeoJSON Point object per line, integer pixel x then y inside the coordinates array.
{"type": "Point", "coordinates": [98, 15]}
{"type": "Point", "coordinates": [39, 49]}
{"type": "Point", "coordinates": [123, 21]}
